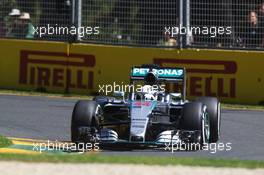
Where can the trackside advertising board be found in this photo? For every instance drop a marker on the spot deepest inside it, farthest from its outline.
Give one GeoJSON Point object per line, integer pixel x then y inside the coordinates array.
{"type": "Point", "coordinates": [233, 76]}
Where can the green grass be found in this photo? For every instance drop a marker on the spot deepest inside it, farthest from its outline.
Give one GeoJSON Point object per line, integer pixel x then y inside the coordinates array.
{"type": "Point", "coordinates": [4, 142]}
{"type": "Point", "coordinates": [46, 94]}
{"type": "Point", "coordinates": [147, 160]}
{"type": "Point", "coordinates": [243, 107]}
{"type": "Point", "coordinates": [127, 159]}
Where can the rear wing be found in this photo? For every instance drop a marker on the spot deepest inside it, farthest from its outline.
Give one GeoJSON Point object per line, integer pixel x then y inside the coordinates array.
{"type": "Point", "coordinates": [164, 74]}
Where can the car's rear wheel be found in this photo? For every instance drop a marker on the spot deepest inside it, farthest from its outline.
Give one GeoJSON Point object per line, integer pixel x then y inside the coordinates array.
{"type": "Point", "coordinates": [195, 118]}
{"type": "Point", "coordinates": [85, 121]}
{"type": "Point", "coordinates": [213, 108]}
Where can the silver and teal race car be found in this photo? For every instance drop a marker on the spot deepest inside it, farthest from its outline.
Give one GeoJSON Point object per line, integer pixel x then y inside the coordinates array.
{"type": "Point", "coordinates": [149, 117]}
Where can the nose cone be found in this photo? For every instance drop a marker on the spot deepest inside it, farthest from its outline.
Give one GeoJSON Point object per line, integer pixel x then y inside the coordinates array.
{"type": "Point", "coordinates": [140, 112]}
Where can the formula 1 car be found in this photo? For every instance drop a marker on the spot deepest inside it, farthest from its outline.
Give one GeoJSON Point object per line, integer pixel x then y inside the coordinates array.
{"type": "Point", "coordinates": [148, 117]}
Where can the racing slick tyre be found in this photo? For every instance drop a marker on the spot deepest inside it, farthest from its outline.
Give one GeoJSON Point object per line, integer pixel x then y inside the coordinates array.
{"type": "Point", "coordinates": [85, 121]}
{"type": "Point", "coordinates": [195, 118]}
{"type": "Point", "coordinates": [213, 108]}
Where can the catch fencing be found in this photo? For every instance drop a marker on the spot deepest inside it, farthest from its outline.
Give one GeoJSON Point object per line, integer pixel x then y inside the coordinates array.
{"type": "Point", "coordinates": [221, 24]}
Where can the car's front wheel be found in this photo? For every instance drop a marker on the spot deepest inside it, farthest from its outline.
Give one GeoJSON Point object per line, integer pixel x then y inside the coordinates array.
{"type": "Point", "coordinates": [85, 121]}
{"type": "Point", "coordinates": [195, 118]}
{"type": "Point", "coordinates": [214, 111]}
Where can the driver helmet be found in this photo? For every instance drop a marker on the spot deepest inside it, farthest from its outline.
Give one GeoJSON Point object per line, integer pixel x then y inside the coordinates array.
{"type": "Point", "coordinates": [149, 93]}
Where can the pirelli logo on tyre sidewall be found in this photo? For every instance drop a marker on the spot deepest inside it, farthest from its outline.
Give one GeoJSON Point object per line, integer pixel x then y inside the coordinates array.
{"type": "Point", "coordinates": [56, 69]}
{"type": "Point", "coordinates": [205, 77]}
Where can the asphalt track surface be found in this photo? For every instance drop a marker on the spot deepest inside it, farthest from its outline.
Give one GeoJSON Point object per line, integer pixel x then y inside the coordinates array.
{"type": "Point", "coordinates": [49, 118]}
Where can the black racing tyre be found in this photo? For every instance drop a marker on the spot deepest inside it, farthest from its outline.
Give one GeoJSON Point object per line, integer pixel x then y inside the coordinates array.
{"type": "Point", "coordinates": [214, 110]}
{"type": "Point", "coordinates": [84, 115]}
{"type": "Point", "coordinates": [195, 118]}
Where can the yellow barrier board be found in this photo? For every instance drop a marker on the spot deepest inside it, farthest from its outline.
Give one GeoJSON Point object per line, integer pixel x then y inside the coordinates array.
{"type": "Point", "coordinates": [233, 76]}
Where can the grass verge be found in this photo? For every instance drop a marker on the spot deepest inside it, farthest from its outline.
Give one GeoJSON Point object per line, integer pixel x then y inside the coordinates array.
{"type": "Point", "coordinates": [4, 142]}
{"type": "Point", "coordinates": [243, 107]}
{"type": "Point", "coordinates": [147, 160]}
{"type": "Point", "coordinates": [44, 94]}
